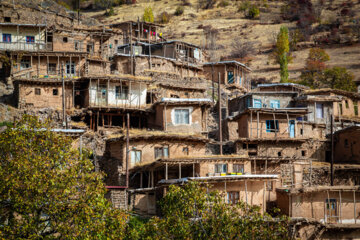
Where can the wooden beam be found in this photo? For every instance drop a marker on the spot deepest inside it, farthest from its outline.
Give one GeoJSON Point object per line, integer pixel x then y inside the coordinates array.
{"type": "Point", "coordinates": [166, 171]}
{"type": "Point", "coordinates": [141, 179]}
{"type": "Point", "coordinates": [179, 170]}
{"type": "Point", "coordinates": [340, 210]}
{"type": "Point", "coordinates": [246, 195]}
{"type": "Point", "coordinates": [328, 209]}
{"type": "Point", "coordinates": [354, 206]}
{"type": "Point", "coordinates": [193, 169]}
{"type": "Point", "coordinates": [250, 124]}
{"type": "Point", "coordinates": [257, 123]}
{"type": "Point", "coordinates": [264, 194]}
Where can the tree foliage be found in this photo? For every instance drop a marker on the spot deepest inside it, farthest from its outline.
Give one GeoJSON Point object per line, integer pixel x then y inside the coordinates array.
{"type": "Point", "coordinates": [148, 15]}
{"type": "Point", "coordinates": [317, 75]}
{"type": "Point", "coordinates": [189, 212]}
{"type": "Point", "coordinates": [49, 191]}
{"type": "Point", "coordinates": [281, 54]}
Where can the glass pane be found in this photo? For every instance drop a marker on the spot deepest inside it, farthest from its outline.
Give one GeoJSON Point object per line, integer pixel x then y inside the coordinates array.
{"type": "Point", "coordinates": [166, 152]}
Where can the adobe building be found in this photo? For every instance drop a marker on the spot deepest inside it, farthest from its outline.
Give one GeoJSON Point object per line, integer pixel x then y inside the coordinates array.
{"type": "Point", "coordinates": [230, 175]}
{"type": "Point", "coordinates": [347, 145]}
{"type": "Point", "coordinates": [330, 208]}
{"type": "Point", "coordinates": [233, 74]}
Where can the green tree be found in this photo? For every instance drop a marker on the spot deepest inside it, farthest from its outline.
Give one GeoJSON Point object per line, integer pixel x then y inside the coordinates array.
{"type": "Point", "coordinates": [338, 78]}
{"type": "Point", "coordinates": [49, 191]}
{"type": "Point", "coordinates": [281, 53]}
{"type": "Point", "coordinates": [189, 212]}
{"type": "Point", "coordinates": [282, 47]}
{"type": "Point", "coordinates": [148, 15]}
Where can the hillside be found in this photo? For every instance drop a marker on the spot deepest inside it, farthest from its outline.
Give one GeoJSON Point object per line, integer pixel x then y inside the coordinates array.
{"type": "Point", "coordinates": [338, 30]}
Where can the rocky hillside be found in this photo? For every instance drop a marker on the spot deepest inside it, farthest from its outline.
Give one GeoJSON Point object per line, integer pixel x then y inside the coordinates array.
{"type": "Point", "coordinates": [330, 24]}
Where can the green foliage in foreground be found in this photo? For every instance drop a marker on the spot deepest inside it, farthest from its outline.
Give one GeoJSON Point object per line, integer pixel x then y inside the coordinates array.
{"type": "Point", "coordinates": [48, 192]}
{"type": "Point", "coordinates": [189, 212]}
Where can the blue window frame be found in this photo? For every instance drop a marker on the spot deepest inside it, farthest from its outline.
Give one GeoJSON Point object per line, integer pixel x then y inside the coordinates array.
{"type": "Point", "coordinates": [275, 103]}
{"type": "Point", "coordinates": [30, 39]}
{"type": "Point", "coordinates": [272, 126]}
{"type": "Point", "coordinates": [230, 77]}
{"type": "Point", "coordinates": [6, 37]}
{"type": "Point", "coordinates": [257, 103]}
{"type": "Point", "coordinates": [248, 102]}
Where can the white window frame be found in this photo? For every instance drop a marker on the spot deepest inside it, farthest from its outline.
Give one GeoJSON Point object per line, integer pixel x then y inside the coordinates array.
{"type": "Point", "coordinates": [322, 110]}
{"type": "Point", "coordinates": [178, 108]}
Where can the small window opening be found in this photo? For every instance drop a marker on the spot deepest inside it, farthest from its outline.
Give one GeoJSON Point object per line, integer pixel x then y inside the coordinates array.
{"type": "Point", "coordinates": [279, 154]}
{"type": "Point", "coordinates": [346, 103]}
{"type": "Point", "coordinates": [7, 19]}
{"type": "Point", "coordinates": [301, 131]}
{"type": "Point", "coordinates": [346, 143]}
{"type": "Point", "coordinates": [116, 41]}
{"type": "Point", "coordinates": [186, 150]}
{"type": "Point", "coordinates": [37, 91]}
{"type": "Point", "coordinates": [55, 92]}
{"type": "Point", "coordinates": [303, 153]}
{"type": "Point", "coordinates": [65, 39]}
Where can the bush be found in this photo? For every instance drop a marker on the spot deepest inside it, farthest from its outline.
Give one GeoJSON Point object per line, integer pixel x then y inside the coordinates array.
{"type": "Point", "coordinates": [164, 17]}
{"type": "Point", "coordinates": [244, 6]}
{"type": "Point", "coordinates": [223, 3]}
{"type": "Point", "coordinates": [148, 15]}
{"type": "Point", "coordinates": [253, 12]}
{"type": "Point", "coordinates": [111, 12]}
{"type": "Point", "coordinates": [179, 10]}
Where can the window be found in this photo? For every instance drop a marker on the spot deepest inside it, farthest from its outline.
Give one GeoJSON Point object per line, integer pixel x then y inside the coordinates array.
{"type": "Point", "coordinates": [65, 39]}
{"type": "Point", "coordinates": [55, 92]}
{"type": "Point", "coordinates": [356, 109]}
{"type": "Point", "coordinates": [37, 91]}
{"type": "Point", "coordinates": [220, 168]}
{"type": "Point", "coordinates": [303, 153]}
{"type": "Point", "coordinates": [257, 103]}
{"type": "Point", "coordinates": [340, 108]}
{"type": "Point", "coordinates": [7, 19]}
{"type": "Point", "coordinates": [279, 154]}
{"type": "Point", "coordinates": [182, 116]}
{"type": "Point", "coordinates": [70, 68]}
{"type": "Point", "coordinates": [233, 197]}
{"type": "Point", "coordinates": [116, 42]}
{"type": "Point", "coordinates": [6, 37]}
{"type": "Point", "coordinates": [346, 103]}
{"type": "Point", "coordinates": [346, 143]}
{"type": "Point", "coordinates": [162, 152]}
{"type": "Point", "coordinates": [174, 96]}
{"type": "Point", "coordinates": [248, 102]}
{"type": "Point", "coordinates": [122, 92]}
{"type": "Point", "coordinates": [238, 168]}
{"type": "Point", "coordinates": [269, 186]}
{"type": "Point", "coordinates": [230, 77]}
{"type": "Point", "coordinates": [186, 150]}
{"type": "Point", "coordinates": [274, 103]}
{"type": "Point", "coordinates": [301, 131]}
{"type": "Point", "coordinates": [77, 45]}
{"type": "Point", "coordinates": [135, 157]}
{"type": "Point", "coordinates": [30, 39]}
{"type": "Point", "coordinates": [272, 126]}
{"type": "Point", "coordinates": [52, 68]}
{"type": "Point", "coordinates": [25, 64]}
{"type": "Point", "coordinates": [319, 110]}
{"type": "Point", "coordinates": [90, 48]}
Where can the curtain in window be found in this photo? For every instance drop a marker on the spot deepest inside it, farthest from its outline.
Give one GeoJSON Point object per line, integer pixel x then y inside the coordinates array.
{"type": "Point", "coordinates": [135, 157]}
{"type": "Point", "coordinates": [319, 110]}
{"type": "Point", "coordinates": [182, 116]}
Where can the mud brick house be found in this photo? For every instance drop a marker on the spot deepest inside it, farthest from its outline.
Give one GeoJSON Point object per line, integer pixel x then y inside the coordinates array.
{"type": "Point", "coordinates": [347, 145]}
{"type": "Point", "coordinates": [138, 32]}
{"type": "Point", "coordinates": [346, 109]}
{"type": "Point", "coordinates": [230, 175]}
{"type": "Point", "coordinates": [335, 207]}
{"type": "Point", "coordinates": [233, 74]}
{"type": "Point", "coordinates": [182, 115]}
{"type": "Point", "coordinates": [145, 147]}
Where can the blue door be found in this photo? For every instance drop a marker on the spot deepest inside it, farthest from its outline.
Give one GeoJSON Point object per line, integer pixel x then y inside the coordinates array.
{"type": "Point", "coordinates": [292, 128]}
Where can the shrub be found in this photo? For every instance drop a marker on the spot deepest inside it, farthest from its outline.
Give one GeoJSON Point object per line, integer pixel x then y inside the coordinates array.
{"type": "Point", "coordinates": [244, 6]}
{"type": "Point", "coordinates": [148, 15]}
{"type": "Point", "coordinates": [111, 12]}
{"type": "Point", "coordinates": [223, 3]}
{"type": "Point", "coordinates": [253, 12]}
{"type": "Point", "coordinates": [179, 10]}
{"type": "Point", "coordinates": [164, 17]}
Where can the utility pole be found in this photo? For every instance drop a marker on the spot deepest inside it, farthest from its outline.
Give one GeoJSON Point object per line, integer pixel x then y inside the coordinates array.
{"type": "Point", "coordinates": [127, 148]}
{"type": "Point", "coordinates": [220, 116]}
{"type": "Point", "coordinates": [332, 150]}
{"type": "Point", "coordinates": [63, 94]}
